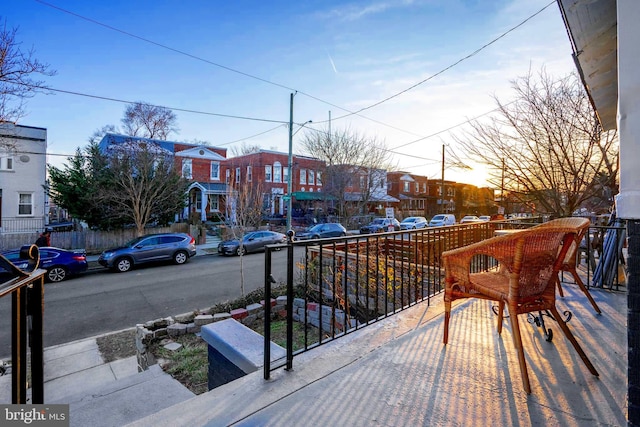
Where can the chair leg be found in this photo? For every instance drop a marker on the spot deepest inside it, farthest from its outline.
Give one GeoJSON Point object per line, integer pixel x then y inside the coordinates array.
{"type": "Point", "coordinates": [586, 291]}
{"type": "Point", "coordinates": [517, 342]}
{"type": "Point", "coordinates": [500, 316]}
{"type": "Point", "coordinates": [559, 286]}
{"type": "Point", "coordinates": [447, 315]}
{"type": "Point", "coordinates": [573, 341]}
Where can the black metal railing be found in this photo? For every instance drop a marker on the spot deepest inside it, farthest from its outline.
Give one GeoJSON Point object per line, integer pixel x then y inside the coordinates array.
{"type": "Point", "coordinates": [27, 309]}
{"type": "Point", "coordinates": [337, 286]}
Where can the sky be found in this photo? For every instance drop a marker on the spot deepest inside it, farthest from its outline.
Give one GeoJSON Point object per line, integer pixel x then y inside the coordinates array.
{"type": "Point", "coordinates": [414, 71]}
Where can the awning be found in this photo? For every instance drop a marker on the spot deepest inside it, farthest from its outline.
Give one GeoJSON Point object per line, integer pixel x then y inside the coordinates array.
{"type": "Point", "coordinates": [303, 196]}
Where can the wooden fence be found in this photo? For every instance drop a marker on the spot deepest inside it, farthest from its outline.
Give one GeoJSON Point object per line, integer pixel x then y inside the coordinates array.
{"type": "Point", "coordinates": [95, 241]}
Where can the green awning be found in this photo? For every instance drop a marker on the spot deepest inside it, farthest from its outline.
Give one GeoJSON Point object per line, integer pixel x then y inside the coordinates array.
{"type": "Point", "coordinates": [302, 196]}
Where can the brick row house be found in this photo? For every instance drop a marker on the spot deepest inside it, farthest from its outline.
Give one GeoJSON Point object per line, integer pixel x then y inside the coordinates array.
{"type": "Point", "coordinates": [316, 190]}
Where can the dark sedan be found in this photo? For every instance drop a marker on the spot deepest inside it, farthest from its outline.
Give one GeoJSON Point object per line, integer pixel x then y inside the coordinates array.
{"type": "Point", "coordinates": [320, 231]}
{"type": "Point", "coordinates": [252, 242]}
{"type": "Point", "coordinates": [381, 225]}
{"type": "Point", "coordinates": [59, 263]}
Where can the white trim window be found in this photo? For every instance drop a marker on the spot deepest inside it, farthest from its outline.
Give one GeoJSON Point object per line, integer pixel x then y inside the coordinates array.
{"type": "Point", "coordinates": [285, 174]}
{"type": "Point", "coordinates": [406, 187]}
{"type": "Point", "coordinates": [249, 174]}
{"type": "Point", "coordinates": [267, 173]}
{"type": "Point", "coordinates": [214, 173]}
{"type": "Point", "coordinates": [237, 175]}
{"type": "Point", "coordinates": [319, 178]}
{"type": "Point", "coordinates": [312, 177]}
{"type": "Point", "coordinates": [25, 204]}
{"type": "Point", "coordinates": [186, 168]}
{"type": "Point", "coordinates": [303, 176]}
{"type": "Point", "coordinates": [417, 187]}
{"type": "Point", "coordinates": [227, 177]}
{"type": "Point", "coordinates": [6, 163]}
{"type": "Point", "coordinates": [214, 203]}
{"type": "Point", "coordinates": [277, 172]}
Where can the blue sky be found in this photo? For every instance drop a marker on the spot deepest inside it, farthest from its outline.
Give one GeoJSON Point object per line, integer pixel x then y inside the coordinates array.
{"type": "Point", "coordinates": [244, 58]}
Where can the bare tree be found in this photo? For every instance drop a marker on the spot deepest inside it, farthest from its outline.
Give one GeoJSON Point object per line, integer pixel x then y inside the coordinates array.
{"type": "Point", "coordinates": [546, 146]}
{"type": "Point", "coordinates": [149, 121]}
{"type": "Point", "coordinates": [143, 184]}
{"type": "Point", "coordinates": [352, 161]}
{"type": "Point", "coordinates": [244, 211]}
{"type": "Point", "coordinates": [17, 68]}
{"type": "Point", "coordinates": [244, 149]}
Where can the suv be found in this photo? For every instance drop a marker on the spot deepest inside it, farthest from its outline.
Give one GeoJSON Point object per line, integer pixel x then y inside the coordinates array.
{"type": "Point", "coordinates": [178, 247]}
{"type": "Point", "coordinates": [441, 220]}
{"type": "Point", "coordinates": [320, 231]}
{"type": "Point", "coordinates": [380, 225]}
{"type": "Point", "coordinates": [413, 222]}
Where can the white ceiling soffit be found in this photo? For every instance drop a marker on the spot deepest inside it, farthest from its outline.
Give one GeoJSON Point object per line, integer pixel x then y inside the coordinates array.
{"type": "Point", "coordinates": [592, 27]}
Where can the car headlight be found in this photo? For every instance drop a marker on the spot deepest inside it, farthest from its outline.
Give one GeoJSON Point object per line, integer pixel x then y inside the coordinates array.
{"type": "Point", "coordinates": [108, 255]}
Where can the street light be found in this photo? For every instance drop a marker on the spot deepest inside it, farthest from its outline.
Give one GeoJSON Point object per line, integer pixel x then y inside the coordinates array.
{"type": "Point", "coordinates": [290, 164]}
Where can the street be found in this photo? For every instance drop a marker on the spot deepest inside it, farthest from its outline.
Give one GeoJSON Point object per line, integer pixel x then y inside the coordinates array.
{"type": "Point", "coordinates": [103, 301]}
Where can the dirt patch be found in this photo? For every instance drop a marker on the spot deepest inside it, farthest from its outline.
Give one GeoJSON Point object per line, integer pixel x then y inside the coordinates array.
{"type": "Point", "coordinates": [117, 346]}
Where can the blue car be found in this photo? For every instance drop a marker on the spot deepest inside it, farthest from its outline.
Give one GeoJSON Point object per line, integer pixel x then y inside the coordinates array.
{"type": "Point", "coordinates": [59, 263]}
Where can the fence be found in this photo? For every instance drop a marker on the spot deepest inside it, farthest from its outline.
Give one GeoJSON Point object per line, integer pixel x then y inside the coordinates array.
{"type": "Point", "coordinates": [93, 241]}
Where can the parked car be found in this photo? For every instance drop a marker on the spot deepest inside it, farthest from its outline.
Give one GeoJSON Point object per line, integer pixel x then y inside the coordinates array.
{"type": "Point", "coordinates": [469, 219]}
{"type": "Point", "coordinates": [442, 220]}
{"type": "Point", "coordinates": [485, 218]}
{"type": "Point", "coordinates": [320, 231]}
{"type": "Point", "coordinates": [380, 225]}
{"type": "Point", "coordinates": [251, 242]}
{"type": "Point", "coordinates": [413, 222]}
{"type": "Point", "coordinates": [59, 263]}
{"type": "Point", "coordinates": [177, 247]}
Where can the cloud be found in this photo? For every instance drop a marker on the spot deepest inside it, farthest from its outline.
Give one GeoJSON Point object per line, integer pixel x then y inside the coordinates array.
{"type": "Point", "coordinates": [352, 12]}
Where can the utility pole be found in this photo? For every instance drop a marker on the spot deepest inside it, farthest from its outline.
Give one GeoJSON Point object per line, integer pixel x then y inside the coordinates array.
{"type": "Point", "coordinates": [290, 165]}
{"type": "Point", "coordinates": [442, 189]}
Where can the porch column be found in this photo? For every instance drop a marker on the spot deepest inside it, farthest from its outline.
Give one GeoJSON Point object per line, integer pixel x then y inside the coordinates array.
{"type": "Point", "coordinates": [203, 206]}
{"type": "Point", "coordinates": [628, 200]}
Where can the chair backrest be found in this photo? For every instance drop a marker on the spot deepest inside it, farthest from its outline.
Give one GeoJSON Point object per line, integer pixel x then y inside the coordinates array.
{"type": "Point", "coordinates": [541, 251]}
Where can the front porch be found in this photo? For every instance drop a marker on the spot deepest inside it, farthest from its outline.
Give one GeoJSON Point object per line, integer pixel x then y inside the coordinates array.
{"type": "Point", "coordinates": [397, 372]}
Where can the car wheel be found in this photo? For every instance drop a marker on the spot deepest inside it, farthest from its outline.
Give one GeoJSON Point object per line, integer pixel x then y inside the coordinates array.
{"type": "Point", "coordinates": [316, 237]}
{"type": "Point", "coordinates": [56, 274]}
{"type": "Point", "coordinates": [180, 257]}
{"type": "Point", "coordinates": [343, 234]}
{"type": "Point", "coordinates": [241, 251]}
{"type": "Point", "coordinates": [122, 265]}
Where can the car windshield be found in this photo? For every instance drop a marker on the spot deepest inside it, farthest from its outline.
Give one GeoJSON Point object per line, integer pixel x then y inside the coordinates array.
{"type": "Point", "coordinates": [378, 221]}
{"type": "Point", "coordinates": [135, 241]}
{"type": "Point", "coordinates": [315, 228]}
{"type": "Point", "coordinates": [438, 218]}
{"type": "Point", "coordinates": [410, 220]}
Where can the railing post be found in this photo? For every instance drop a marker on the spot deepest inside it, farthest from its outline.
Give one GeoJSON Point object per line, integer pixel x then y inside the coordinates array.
{"type": "Point", "coordinates": [35, 308]}
{"type": "Point", "coordinates": [19, 346]}
{"type": "Point", "coordinates": [267, 314]}
{"type": "Point", "coordinates": [290, 234]}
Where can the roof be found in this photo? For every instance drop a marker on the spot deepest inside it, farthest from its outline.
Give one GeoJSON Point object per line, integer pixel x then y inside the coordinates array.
{"type": "Point", "coordinates": [356, 197]}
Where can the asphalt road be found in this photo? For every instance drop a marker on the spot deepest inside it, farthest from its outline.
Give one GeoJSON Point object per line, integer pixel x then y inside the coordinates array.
{"type": "Point", "coordinates": [101, 301]}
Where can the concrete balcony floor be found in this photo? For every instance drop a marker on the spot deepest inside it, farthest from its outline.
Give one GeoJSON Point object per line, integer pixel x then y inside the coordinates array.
{"type": "Point", "coordinates": [398, 373]}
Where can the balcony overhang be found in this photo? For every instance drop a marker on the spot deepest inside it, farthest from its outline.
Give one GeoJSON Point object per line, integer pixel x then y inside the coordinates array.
{"type": "Point", "coordinates": [592, 28]}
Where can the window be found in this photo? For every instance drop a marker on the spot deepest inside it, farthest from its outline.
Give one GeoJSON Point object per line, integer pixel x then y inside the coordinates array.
{"type": "Point", "coordinates": [237, 175]}
{"type": "Point", "coordinates": [362, 182]}
{"type": "Point", "coordinates": [417, 187]}
{"type": "Point", "coordinates": [277, 172]}
{"type": "Point", "coordinates": [186, 169]}
{"type": "Point", "coordinates": [303, 176]}
{"type": "Point", "coordinates": [406, 187]}
{"type": "Point", "coordinates": [424, 187]}
{"type": "Point", "coordinates": [249, 174]}
{"type": "Point", "coordinates": [312, 177]}
{"type": "Point", "coordinates": [319, 178]}
{"type": "Point", "coordinates": [285, 174]}
{"type": "Point", "coordinates": [25, 204]}
{"type": "Point", "coordinates": [213, 202]}
{"type": "Point", "coordinates": [267, 173]}
{"type": "Point", "coordinates": [6, 163]}
{"type": "Point", "coordinates": [215, 171]}
{"type": "Point", "coordinates": [228, 176]}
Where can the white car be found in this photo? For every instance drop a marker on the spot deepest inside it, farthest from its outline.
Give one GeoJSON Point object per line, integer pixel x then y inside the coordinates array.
{"type": "Point", "coordinates": [413, 222]}
{"type": "Point", "coordinates": [470, 219]}
{"type": "Point", "coordinates": [485, 218]}
{"type": "Point", "coordinates": [441, 220]}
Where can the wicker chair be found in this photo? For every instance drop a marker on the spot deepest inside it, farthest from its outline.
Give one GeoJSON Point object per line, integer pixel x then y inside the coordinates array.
{"type": "Point", "coordinates": [569, 265]}
{"type": "Point", "coordinates": [523, 278]}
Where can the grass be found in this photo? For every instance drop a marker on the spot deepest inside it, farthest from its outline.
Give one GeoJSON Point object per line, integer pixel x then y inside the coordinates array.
{"type": "Point", "coordinates": [189, 364]}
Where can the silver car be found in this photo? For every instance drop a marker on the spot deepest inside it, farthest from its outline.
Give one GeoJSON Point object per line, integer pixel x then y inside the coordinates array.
{"type": "Point", "coordinates": [413, 222]}
{"type": "Point", "coordinates": [176, 247]}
